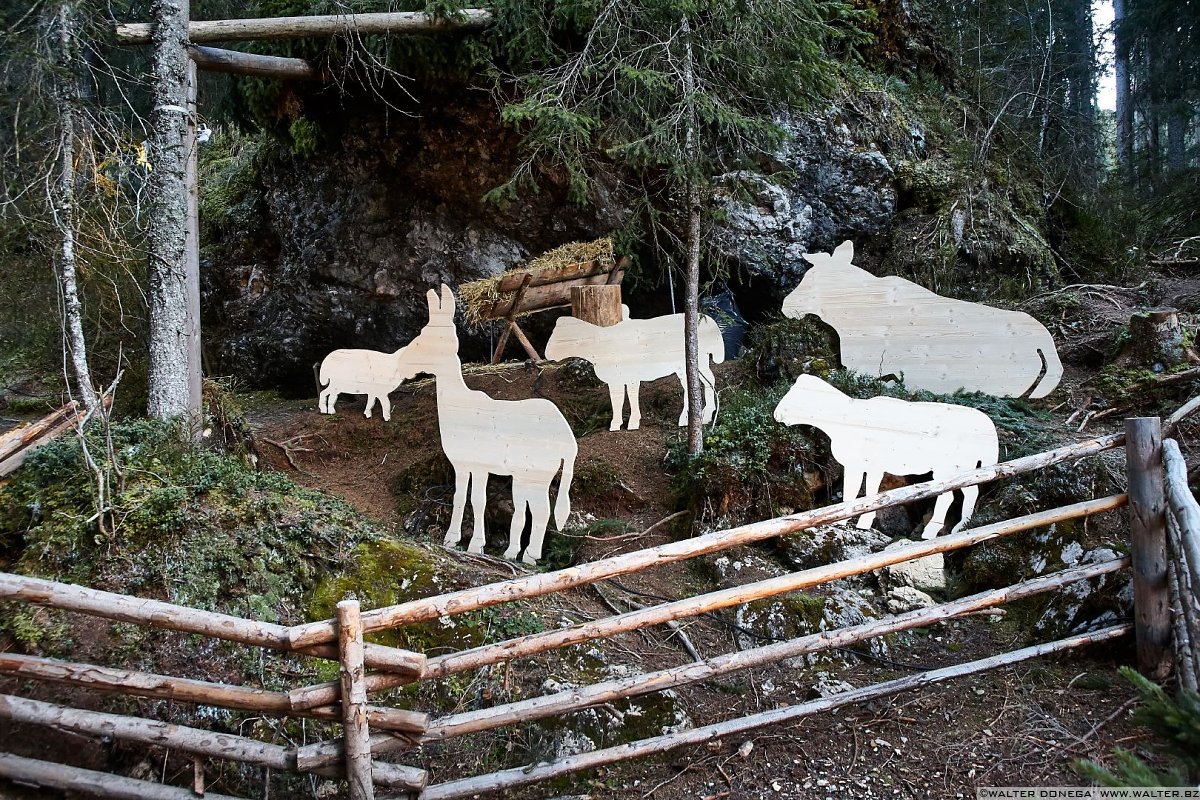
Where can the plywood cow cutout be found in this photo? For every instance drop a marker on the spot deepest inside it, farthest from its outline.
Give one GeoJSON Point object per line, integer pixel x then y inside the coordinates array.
{"type": "Point", "coordinates": [636, 350]}
{"type": "Point", "coordinates": [891, 326]}
{"type": "Point", "coordinates": [366, 372]}
{"type": "Point", "coordinates": [527, 439]}
{"type": "Point", "coordinates": [883, 434]}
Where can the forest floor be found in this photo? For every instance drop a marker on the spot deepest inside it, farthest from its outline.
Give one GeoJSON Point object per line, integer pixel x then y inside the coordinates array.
{"type": "Point", "coordinates": [1020, 726]}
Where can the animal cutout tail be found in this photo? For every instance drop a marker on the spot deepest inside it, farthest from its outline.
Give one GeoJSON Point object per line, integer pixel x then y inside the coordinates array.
{"type": "Point", "coordinates": [1054, 368]}
{"type": "Point", "coordinates": [562, 503]}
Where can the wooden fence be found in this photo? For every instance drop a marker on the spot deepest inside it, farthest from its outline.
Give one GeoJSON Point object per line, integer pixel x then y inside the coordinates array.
{"type": "Point", "coordinates": [372, 730]}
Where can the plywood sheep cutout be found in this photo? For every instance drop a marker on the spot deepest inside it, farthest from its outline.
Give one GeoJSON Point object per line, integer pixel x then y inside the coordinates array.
{"type": "Point", "coordinates": [636, 350]}
{"type": "Point", "coordinates": [366, 372]}
{"type": "Point", "coordinates": [891, 326]}
{"type": "Point", "coordinates": [527, 439]}
{"type": "Point", "coordinates": [883, 434]}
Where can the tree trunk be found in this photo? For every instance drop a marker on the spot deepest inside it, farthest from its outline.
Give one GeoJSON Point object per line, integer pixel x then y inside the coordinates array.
{"type": "Point", "coordinates": [1177, 125]}
{"type": "Point", "coordinates": [64, 204]}
{"type": "Point", "coordinates": [691, 292]}
{"type": "Point", "coordinates": [169, 389]}
{"type": "Point", "coordinates": [1124, 101]}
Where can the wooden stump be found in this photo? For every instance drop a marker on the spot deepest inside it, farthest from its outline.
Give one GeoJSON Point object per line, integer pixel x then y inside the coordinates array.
{"type": "Point", "coordinates": [599, 305]}
{"type": "Point", "coordinates": [1156, 337]}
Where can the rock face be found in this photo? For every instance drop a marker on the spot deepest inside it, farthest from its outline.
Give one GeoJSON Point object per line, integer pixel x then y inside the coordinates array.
{"type": "Point", "coordinates": [343, 245]}
{"type": "Point", "coordinates": [839, 184]}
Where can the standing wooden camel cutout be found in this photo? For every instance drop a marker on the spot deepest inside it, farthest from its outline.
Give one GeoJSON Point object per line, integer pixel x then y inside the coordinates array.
{"type": "Point", "coordinates": [883, 434]}
{"type": "Point", "coordinates": [636, 350]}
{"type": "Point", "coordinates": [366, 372]}
{"type": "Point", "coordinates": [527, 439]}
{"type": "Point", "coordinates": [890, 326]}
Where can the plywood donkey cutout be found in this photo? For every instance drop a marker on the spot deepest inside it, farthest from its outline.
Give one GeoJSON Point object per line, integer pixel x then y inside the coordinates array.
{"type": "Point", "coordinates": [527, 439]}
{"type": "Point", "coordinates": [636, 350]}
{"type": "Point", "coordinates": [891, 326]}
{"type": "Point", "coordinates": [883, 434]}
{"type": "Point", "coordinates": [366, 372]}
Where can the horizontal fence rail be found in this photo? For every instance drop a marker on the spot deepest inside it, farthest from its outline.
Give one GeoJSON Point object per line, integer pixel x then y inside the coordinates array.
{"type": "Point", "coordinates": [521, 776]}
{"type": "Point", "coordinates": [324, 694]}
{"type": "Point", "coordinates": [531, 586]}
{"type": "Point", "coordinates": [607, 691]}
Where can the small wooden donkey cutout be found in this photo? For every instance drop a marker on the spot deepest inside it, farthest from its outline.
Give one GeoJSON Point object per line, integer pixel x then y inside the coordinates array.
{"type": "Point", "coordinates": [636, 350]}
{"type": "Point", "coordinates": [366, 372]}
{"type": "Point", "coordinates": [527, 439]}
{"type": "Point", "coordinates": [883, 434]}
{"type": "Point", "coordinates": [891, 326]}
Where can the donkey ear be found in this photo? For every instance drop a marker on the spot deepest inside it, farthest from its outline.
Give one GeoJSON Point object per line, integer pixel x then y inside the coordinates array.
{"type": "Point", "coordinates": [844, 252]}
{"type": "Point", "coordinates": [435, 305]}
{"type": "Point", "coordinates": [447, 301]}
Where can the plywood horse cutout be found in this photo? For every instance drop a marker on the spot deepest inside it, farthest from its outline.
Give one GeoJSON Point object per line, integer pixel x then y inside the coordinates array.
{"type": "Point", "coordinates": [890, 326]}
{"type": "Point", "coordinates": [366, 372]}
{"type": "Point", "coordinates": [883, 434]}
{"type": "Point", "coordinates": [527, 439]}
{"type": "Point", "coordinates": [636, 350]}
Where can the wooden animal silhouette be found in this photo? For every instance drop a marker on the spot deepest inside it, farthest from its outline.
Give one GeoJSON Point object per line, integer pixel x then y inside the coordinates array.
{"type": "Point", "coordinates": [636, 350]}
{"type": "Point", "coordinates": [366, 372]}
{"type": "Point", "coordinates": [527, 439]}
{"type": "Point", "coordinates": [890, 326]}
{"type": "Point", "coordinates": [883, 434]}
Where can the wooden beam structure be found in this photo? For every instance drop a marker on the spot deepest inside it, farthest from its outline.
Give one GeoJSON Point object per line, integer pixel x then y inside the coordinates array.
{"type": "Point", "coordinates": [214, 59]}
{"type": "Point", "coordinates": [241, 30]}
{"type": "Point", "coordinates": [1148, 527]}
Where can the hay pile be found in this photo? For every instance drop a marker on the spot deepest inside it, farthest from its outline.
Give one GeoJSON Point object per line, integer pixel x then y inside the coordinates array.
{"type": "Point", "coordinates": [478, 297]}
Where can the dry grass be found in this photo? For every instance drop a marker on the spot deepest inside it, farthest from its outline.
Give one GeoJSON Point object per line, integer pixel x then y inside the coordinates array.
{"type": "Point", "coordinates": [478, 297]}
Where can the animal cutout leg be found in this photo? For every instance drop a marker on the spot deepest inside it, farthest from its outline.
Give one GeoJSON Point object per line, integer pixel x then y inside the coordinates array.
{"type": "Point", "coordinates": [683, 418]}
{"type": "Point", "coordinates": [616, 396]}
{"type": "Point", "coordinates": [461, 478]}
{"type": "Point", "coordinates": [478, 506]}
{"type": "Point", "coordinates": [874, 478]}
{"type": "Point", "coordinates": [326, 401]}
{"type": "Point", "coordinates": [539, 509]}
{"type": "Point", "coordinates": [709, 382]}
{"type": "Point", "coordinates": [520, 498]}
{"type": "Point", "coordinates": [635, 408]}
{"type": "Point", "coordinates": [370, 406]}
{"type": "Point", "coordinates": [385, 407]}
{"type": "Point", "coordinates": [970, 495]}
{"type": "Point", "coordinates": [939, 515]}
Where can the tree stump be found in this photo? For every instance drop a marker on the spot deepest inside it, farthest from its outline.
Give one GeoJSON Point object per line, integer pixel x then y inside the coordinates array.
{"type": "Point", "coordinates": [599, 305]}
{"type": "Point", "coordinates": [1156, 339]}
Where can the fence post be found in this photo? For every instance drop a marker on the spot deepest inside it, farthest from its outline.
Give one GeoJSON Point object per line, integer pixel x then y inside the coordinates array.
{"type": "Point", "coordinates": [1148, 526]}
{"type": "Point", "coordinates": [357, 735]}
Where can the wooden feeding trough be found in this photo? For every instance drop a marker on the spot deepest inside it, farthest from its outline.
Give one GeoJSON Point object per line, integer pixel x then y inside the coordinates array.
{"type": "Point", "coordinates": [550, 281]}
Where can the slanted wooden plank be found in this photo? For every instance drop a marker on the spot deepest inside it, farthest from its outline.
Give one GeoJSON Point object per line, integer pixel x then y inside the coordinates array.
{"type": "Point", "coordinates": [91, 783]}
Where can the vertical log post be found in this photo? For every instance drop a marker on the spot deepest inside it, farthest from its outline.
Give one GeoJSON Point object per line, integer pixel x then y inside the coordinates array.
{"type": "Point", "coordinates": [1148, 526]}
{"type": "Point", "coordinates": [599, 305]}
{"type": "Point", "coordinates": [191, 255]}
{"type": "Point", "coordinates": [354, 701]}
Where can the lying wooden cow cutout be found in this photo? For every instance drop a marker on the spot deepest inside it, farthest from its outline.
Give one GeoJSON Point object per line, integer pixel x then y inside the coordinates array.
{"type": "Point", "coordinates": [883, 434]}
{"type": "Point", "coordinates": [366, 372]}
{"type": "Point", "coordinates": [636, 350]}
{"type": "Point", "coordinates": [527, 439]}
{"type": "Point", "coordinates": [890, 326]}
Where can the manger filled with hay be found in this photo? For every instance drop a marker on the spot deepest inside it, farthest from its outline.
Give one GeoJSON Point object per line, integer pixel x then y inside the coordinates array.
{"type": "Point", "coordinates": [490, 298]}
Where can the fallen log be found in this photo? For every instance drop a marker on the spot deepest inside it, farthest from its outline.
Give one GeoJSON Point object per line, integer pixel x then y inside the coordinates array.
{"type": "Point", "coordinates": [18, 444]}
{"type": "Point", "coordinates": [536, 773]}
